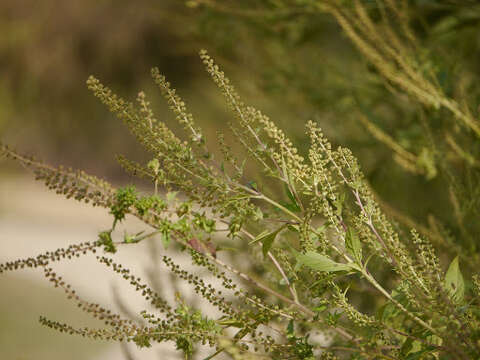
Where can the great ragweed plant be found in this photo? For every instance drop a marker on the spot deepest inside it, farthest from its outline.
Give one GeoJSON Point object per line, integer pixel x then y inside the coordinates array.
{"type": "Point", "coordinates": [309, 254]}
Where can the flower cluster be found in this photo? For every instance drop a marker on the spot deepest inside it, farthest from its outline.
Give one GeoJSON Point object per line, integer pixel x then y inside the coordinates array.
{"type": "Point", "coordinates": [301, 251]}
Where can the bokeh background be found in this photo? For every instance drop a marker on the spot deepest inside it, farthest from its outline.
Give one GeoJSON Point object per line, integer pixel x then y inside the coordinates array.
{"type": "Point", "coordinates": [293, 64]}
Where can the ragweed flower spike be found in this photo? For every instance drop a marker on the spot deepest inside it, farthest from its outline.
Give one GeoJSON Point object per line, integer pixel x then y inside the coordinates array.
{"type": "Point", "coordinates": [289, 265]}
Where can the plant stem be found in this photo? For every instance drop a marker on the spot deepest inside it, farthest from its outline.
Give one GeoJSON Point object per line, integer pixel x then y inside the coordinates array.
{"type": "Point", "coordinates": [374, 282]}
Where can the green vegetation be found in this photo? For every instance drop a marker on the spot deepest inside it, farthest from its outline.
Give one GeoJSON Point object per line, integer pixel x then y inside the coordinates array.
{"type": "Point", "coordinates": [301, 240]}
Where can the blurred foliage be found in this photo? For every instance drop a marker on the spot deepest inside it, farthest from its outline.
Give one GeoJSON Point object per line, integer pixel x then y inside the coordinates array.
{"type": "Point", "coordinates": [297, 52]}
{"type": "Point", "coordinates": [47, 51]}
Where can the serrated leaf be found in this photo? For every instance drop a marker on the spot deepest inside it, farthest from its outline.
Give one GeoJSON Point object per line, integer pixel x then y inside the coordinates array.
{"type": "Point", "coordinates": [454, 281]}
{"type": "Point", "coordinates": [320, 262]}
{"type": "Point", "coordinates": [353, 245]}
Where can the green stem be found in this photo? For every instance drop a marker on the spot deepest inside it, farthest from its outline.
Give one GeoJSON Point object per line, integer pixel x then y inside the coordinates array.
{"type": "Point", "coordinates": [379, 287]}
{"type": "Point", "coordinates": [274, 203]}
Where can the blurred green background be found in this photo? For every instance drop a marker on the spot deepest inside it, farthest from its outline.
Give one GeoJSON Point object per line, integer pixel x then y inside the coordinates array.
{"type": "Point", "coordinates": [292, 63]}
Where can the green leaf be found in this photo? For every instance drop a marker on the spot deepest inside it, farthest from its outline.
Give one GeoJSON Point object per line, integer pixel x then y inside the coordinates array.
{"type": "Point", "coordinates": [267, 238]}
{"type": "Point", "coordinates": [292, 207]}
{"type": "Point", "coordinates": [454, 281]}
{"type": "Point", "coordinates": [165, 237]}
{"type": "Point", "coordinates": [389, 311]}
{"type": "Point", "coordinates": [320, 308]}
{"type": "Point", "coordinates": [407, 346]}
{"type": "Point", "coordinates": [230, 323]}
{"type": "Point", "coordinates": [259, 237]}
{"type": "Point", "coordinates": [290, 195]}
{"type": "Point", "coordinates": [332, 318]}
{"type": "Point", "coordinates": [290, 328]}
{"type": "Point", "coordinates": [320, 262]}
{"type": "Point", "coordinates": [253, 185]}
{"type": "Point", "coordinates": [339, 204]}
{"type": "Point", "coordinates": [293, 201]}
{"type": "Point", "coordinates": [132, 239]}
{"type": "Point", "coordinates": [154, 165]}
{"type": "Point", "coordinates": [353, 245]}
{"type": "Point", "coordinates": [267, 243]}
{"type": "Point", "coordinates": [128, 239]}
{"type": "Point", "coordinates": [293, 228]}
{"type": "Point", "coordinates": [417, 355]}
{"type": "Point", "coordinates": [105, 239]}
{"type": "Point", "coordinates": [323, 227]}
